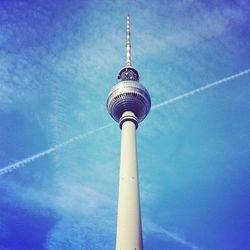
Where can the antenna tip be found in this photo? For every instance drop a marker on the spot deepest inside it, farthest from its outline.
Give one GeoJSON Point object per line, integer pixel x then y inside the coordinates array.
{"type": "Point", "coordinates": [128, 21]}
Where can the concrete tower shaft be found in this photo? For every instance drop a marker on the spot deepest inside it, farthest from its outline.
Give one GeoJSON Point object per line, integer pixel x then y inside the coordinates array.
{"type": "Point", "coordinates": [129, 228]}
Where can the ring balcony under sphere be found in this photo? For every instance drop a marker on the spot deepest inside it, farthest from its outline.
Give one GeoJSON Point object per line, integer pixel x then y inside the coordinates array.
{"type": "Point", "coordinates": [128, 95]}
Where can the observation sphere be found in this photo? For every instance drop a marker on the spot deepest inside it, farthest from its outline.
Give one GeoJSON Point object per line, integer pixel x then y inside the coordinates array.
{"type": "Point", "coordinates": [128, 95]}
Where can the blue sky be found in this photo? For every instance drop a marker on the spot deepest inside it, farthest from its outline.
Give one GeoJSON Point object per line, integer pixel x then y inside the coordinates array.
{"type": "Point", "coordinates": [58, 61]}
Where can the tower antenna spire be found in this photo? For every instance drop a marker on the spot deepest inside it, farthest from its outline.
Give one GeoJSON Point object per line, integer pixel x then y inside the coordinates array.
{"type": "Point", "coordinates": [128, 43]}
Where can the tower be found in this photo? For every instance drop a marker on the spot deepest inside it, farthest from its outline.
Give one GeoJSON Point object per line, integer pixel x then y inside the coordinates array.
{"type": "Point", "coordinates": [128, 103]}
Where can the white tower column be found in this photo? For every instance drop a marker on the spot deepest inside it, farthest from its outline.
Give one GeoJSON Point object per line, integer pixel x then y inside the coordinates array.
{"type": "Point", "coordinates": [129, 229]}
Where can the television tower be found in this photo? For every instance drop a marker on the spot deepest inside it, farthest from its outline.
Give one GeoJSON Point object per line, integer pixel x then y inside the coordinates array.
{"type": "Point", "coordinates": [128, 103]}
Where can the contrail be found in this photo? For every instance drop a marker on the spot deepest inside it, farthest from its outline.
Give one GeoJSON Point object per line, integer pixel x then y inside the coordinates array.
{"type": "Point", "coordinates": [195, 91]}
{"type": "Point", "coordinates": [27, 160]}
{"type": "Point", "coordinates": [180, 240]}
{"type": "Point", "coordinates": [150, 226]}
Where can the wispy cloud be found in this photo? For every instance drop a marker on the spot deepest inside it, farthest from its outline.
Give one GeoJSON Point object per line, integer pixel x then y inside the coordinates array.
{"type": "Point", "coordinates": [86, 216]}
{"type": "Point", "coordinates": [86, 233]}
{"type": "Point", "coordinates": [97, 210]}
{"type": "Point", "coordinates": [198, 22]}
{"type": "Point", "coordinates": [169, 235]}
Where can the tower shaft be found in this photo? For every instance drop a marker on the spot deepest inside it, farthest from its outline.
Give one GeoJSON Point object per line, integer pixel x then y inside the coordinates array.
{"type": "Point", "coordinates": [129, 229]}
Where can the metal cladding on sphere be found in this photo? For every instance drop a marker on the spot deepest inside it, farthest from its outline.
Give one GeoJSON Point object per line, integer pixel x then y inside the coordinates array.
{"type": "Point", "coordinates": [128, 95]}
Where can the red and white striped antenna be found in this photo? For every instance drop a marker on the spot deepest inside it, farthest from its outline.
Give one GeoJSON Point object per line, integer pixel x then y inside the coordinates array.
{"type": "Point", "coordinates": [128, 43]}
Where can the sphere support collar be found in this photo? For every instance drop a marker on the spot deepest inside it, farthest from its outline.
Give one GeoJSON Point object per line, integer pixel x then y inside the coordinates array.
{"type": "Point", "coordinates": [128, 116]}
